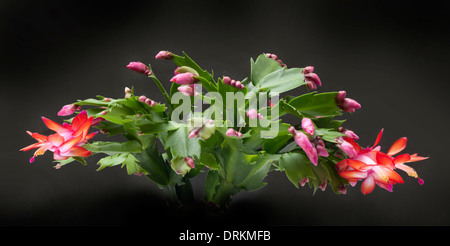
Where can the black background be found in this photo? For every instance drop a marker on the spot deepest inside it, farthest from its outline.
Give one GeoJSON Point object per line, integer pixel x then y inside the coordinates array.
{"type": "Point", "coordinates": [392, 57]}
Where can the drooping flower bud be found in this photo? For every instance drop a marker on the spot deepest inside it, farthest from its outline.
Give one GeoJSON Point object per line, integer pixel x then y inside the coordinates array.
{"type": "Point", "coordinates": [127, 92]}
{"type": "Point", "coordinates": [350, 134]}
{"type": "Point", "coordinates": [302, 140]}
{"type": "Point", "coordinates": [180, 166]}
{"type": "Point", "coordinates": [150, 102]}
{"type": "Point", "coordinates": [184, 78]}
{"type": "Point", "coordinates": [164, 55]}
{"type": "Point", "coordinates": [308, 69]}
{"type": "Point", "coordinates": [314, 78]}
{"type": "Point", "coordinates": [140, 68]}
{"type": "Point", "coordinates": [142, 98]}
{"type": "Point", "coordinates": [69, 109]}
{"type": "Point", "coordinates": [308, 126]}
{"type": "Point", "coordinates": [346, 147]}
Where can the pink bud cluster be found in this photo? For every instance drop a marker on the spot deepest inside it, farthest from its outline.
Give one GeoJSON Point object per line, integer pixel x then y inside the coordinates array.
{"type": "Point", "coordinates": [140, 68]}
{"type": "Point", "coordinates": [275, 58]}
{"type": "Point", "coordinates": [312, 79]}
{"type": "Point", "coordinates": [237, 84]}
{"type": "Point", "coordinates": [346, 104]}
{"type": "Point", "coordinates": [233, 133]}
{"type": "Point", "coordinates": [146, 100]}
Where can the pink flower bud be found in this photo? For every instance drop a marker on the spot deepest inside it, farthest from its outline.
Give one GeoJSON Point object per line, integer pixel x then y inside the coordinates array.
{"type": "Point", "coordinates": [239, 134]}
{"type": "Point", "coordinates": [349, 105]}
{"type": "Point", "coordinates": [226, 80]}
{"type": "Point", "coordinates": [292, 130]}
{"type": "Point", "coordinates": [313, 77]}
{"type": "Point", "coordinates": [308, 69]}
{"type": "Point", "coordinates": [252, 113]}
{"type": "Point", "coordinates": [311, 85]}
{"type": "Point", "coordinates": [150, 102]}
{"type": "Point", "coordinates": [231, 132]}
{"type": "Point", "coordinates": [340, 97]}
{"type": "Point", "coordinates": [190, 162]}
{"type": "Point", "coordinates": [140, 68]}
{"type": "Point", "coordinates": [184, 78]}
{"type": "Point", "coordinates": [68, 109]}
{"type": "Point", "coordinates": [164, 55]}
{"type": "Point", "coordinates": [233, 82]}
{"type": "Point", "coordinates": [351, 134]}
{"type": "Point", "coordinates": [308, 126]}
{"type": "Point", "coordinates": [127, 90]}
{"type": "Point", "coordinates": [347, 148]}
{"type": "Point", "coordinates": [238, 84]}
{"type": "Point", "coordinates": [304, 181]}
{"type": "Point", "coordinates": [142, 98]}
{"type": "Point", "coordinates": [302, 140]}
{"type": "Point", "coordinates": [186, 90]}
{"type": "Point", "coordinates": [259, 116]}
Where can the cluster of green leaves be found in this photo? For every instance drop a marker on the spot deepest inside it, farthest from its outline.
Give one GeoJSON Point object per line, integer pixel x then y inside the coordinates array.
{"type": "Point", "coordinates": [233, 164]}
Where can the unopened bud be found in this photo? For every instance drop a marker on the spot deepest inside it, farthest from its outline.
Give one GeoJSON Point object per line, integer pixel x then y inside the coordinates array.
{"type": "Point", "coordinates": [164, 55]}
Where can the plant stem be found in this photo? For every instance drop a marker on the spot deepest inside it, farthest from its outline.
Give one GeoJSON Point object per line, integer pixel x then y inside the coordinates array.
{"type": "Point", "coordinates": [224, 193]}
{"type": "Point", "coordinates": [161, 88]}
{"type": "Point", "coordinates": [172, 195]}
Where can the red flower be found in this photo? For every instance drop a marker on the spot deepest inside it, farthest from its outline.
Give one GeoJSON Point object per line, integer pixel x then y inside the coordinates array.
{"type": "Point", "coordinates": [375, 167]}
{"type": "Point", "coordinates": [67, 140]}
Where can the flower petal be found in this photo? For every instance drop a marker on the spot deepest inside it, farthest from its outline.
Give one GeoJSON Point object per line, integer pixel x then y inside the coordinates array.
{"type": "Point", "coordinates": [56, 139]}
{"type": "Point", "coordinates": [358, 165]}
{"type": "Point", "coordinates": [398, 146]}
{"type": "Point", "coordinates": [353, 174]}
{"type": "Point", "coordinates": [415, 157]}
{"type": "Point", "coordinates": [84, 128]}
{"type": "Point", "coordinates": [53, 125]}
{"type": "Point", "coordinates": [77, 151]}
{"type": "Point", "coordinates": [69, 144]}
{"type": "Point", "coordinates": [409, 170]}
{"type": "Point", "coordinates": [401, 159]}
{"type": "Point", "coordinates": [368, 185]}
{"type": "Point", "coordinates": [33, 146]}
{"type": "Point", "coordinates": [385, 160]}
{"type": "Point", "coordinates": [378, 138]}
{"type": "Point", "coordinates": [79, 120]}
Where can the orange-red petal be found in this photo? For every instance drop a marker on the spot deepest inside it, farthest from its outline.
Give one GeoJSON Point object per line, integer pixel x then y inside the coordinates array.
{"type": "Point", "coordinates": [77, 151]}
{"type": "Point", "coordinates": [368, 185]}
{"type": "Point", "coordinates": [70, 144]}
{"type": "Point", "coordinates": [53, 125]}
{"type": "Point", "coordinates": [358, 165]}
{"type": "Point", "coordinates": [385, 160]}
{"type": "Point", "coordinates": [56, 139]}
{"type": "Point", "coordinates": [378, 138]}
{"type": "Point", "coordinates": [402, 158]}
{"type": "Point", "coordinates": [415, 157]}
{"type": "Point", "coordinates": [83, 129]}
{"type": "Point", "coordinates": [356, 146]}
{"type": "Point", "coordinates": [353, 174]}
{"type": "Point", "coordinates": [397, 146]}
{"type": "Point", "coordinates": [32, 146]}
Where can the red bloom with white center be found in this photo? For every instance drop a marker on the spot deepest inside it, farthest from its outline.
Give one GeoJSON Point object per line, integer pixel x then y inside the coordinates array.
{"type": "Point", "coordinates": [67, 140]}
{"type": "Point", "coordinates": [375, 167]}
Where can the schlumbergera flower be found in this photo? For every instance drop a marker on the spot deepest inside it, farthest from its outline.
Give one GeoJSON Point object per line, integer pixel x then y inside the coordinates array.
{"type": "Point", "coordinates": [313, 149]}
{"type": "Point", "coordinates": [67, 140]}
{"type": "Point", "coordinates": [375, 167]}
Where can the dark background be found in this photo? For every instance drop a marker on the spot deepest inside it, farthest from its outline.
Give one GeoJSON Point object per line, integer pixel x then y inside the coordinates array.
{"type": "Point", "coordinates": [392, 57]}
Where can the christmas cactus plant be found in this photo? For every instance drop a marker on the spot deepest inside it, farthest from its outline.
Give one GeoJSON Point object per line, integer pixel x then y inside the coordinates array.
{"type": "Point", "coordinates": [230, 129]}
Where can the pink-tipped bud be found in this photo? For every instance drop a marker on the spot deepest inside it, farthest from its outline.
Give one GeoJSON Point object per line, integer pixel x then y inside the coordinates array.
{"type": "Point", "coordinates": [308, 126]}
{"type": "Point", "coordinates": [302, 140]}
{"type": "Point", "coordinates": [308, 69]}
{"type": "Point", "coordinates": [252, 114]}
{"type": "Point", "coordinates": [68, 109]}
{"type": "Point", "coordinates": [239, 134]}
{"type": "Point", "coordinates": [187, 90]}
{"type": "Point", "coordinates": [127, 90]}
{"type": "Point", "coordinates": [140, 68]}
{"type": "Point", "coordinates": [164, 55]}
{"type": "Point", "coordinates": [347, 148]}
{"type": "Point", "coordinates": [142, 98]}
{"type": "Point", "coordinates": [342, 189]}
{"type": "Point", "coordinates": [304, 181]}
{"type": "Point", "coordinates": [190, 162]}
{"type": "Point", "coordinates": [349, 105]}
{"type": "Point", "coordinates": [340, 97]}
{"type": "Point", "coordinates": [150, 102]}
{"type": "Point", "coordinates": [292, 130]}
{"type": "Point", "coordinates": [313, 77]}
{"type": "Point", "coordinates": [351, 134]}
{"type": "Point", "coordinates": [259, 116]}
{"type": "Point", "coordinates": [311, 85]}
{"type": "Point", "coordinates": [184, 78]}
{"type": "Point", "coordinates": [238, 84]}
{"type": "Point", "coordinates": [233, 82]}
{"type": "Point", "coordinates": [106, 99]}
{"type": "Point", "coordinates": [226, 80]}
{"type": "Point", "coordinates": [231, 132]}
